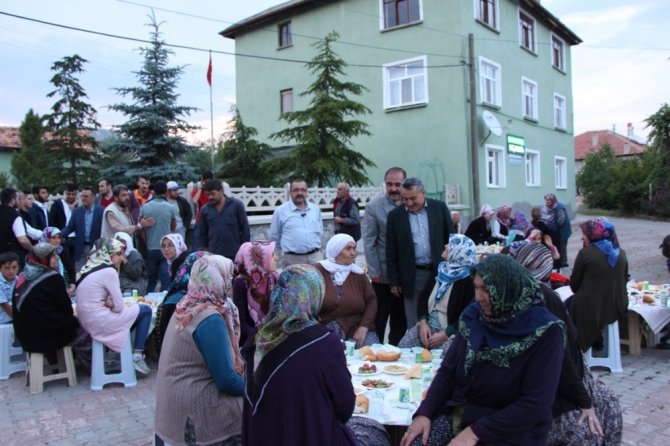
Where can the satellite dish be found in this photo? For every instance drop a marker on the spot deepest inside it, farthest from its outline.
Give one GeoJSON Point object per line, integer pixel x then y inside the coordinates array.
{"type": "Point", "coordinates": [492, 123]}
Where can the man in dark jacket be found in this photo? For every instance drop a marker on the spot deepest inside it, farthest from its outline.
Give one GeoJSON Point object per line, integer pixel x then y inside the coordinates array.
{"type": "Point", "coordinates": [86, 222]}
{"type": "Point", "coordinates": [185, 211]}
{"type": "Point", "coordinates": [345, 213]}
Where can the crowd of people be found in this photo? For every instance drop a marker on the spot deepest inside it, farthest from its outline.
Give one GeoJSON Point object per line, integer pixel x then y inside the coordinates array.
{"type": "Point", "coordinates": [250, 334]}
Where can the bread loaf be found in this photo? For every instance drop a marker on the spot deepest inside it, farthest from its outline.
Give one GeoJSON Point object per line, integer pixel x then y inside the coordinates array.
{"type": "Point", "coordinates": [388, 356]}
{"type": "Point", "coordinates": [362, 404]}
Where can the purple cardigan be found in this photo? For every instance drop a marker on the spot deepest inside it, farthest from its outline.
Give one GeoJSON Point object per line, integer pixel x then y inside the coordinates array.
{"type": "Point", "coordinates": [503, 406]}
{"type": "Point", "coordinates": [300, 394]}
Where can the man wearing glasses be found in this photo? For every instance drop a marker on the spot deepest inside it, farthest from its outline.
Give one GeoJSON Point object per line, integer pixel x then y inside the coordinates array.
{"type": "Point", "coordinates": [297, 227]}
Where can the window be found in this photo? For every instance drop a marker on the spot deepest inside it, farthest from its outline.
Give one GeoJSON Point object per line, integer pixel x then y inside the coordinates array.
{"type": "Point", "coordinates": [495, 166]}
{"type": "Point", "coordinates": [561, 172]}
{"type": "Point", "coordinates": [532, 168]}
{"type": "Point", "coordinates": [400, 12]}
{"type": "Point", "coordinates": [405, 83]}
{"type": "Point", "coordinates": [528, 98]}
{"type": "Point", "coordinates": [559, 112]}
{"type": "Point", "coordinates": [526, 31]}
{"type": "Point", "coordinates": [486, 11]}
{"type": "Point", "coordinates": [557, 53]}
{"type": "Point", "coordinates": [489, 82]}
{"type": "Point", "coordinates": [285, 37]}
{"type": "Point", "coordinates": [286, 104]}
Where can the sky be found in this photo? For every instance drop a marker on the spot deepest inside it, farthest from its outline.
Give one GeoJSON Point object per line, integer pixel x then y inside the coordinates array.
{"type": "Point", "coordinates": [620, 70]}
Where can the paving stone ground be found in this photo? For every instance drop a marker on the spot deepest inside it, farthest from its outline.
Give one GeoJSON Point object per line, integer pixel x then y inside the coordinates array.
{"type": "Point", "coordinates": [117, 416]}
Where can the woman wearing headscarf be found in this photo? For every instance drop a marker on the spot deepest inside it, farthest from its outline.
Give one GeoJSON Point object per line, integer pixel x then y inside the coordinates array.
{"type": "Point", "coordinates": [500, 225]}
{"type": "Point", "coordinates": [479, 229]}
{"type": "Point", "coordinates": [519, 228]}
{"type": "Point", "coordinates": [133, 273]}
{"type": "Point", "coordinates": [255, 277]}
{"type": "Point", "coordinates": [582, 402]}
{"type": "Point", "coordinates": [350, 305]}
{"type": "Point", "coordinates": [499, 377]}
{"type": "Point", "coordinates": [561, 220]}
{"type": "Point", "coordinates": [598, 280]}
{"type": "Point", "coordinates": [297, 366]}
{"type": "Point", "coordinates": [175, 251]}
{"type": "Point", "coordinates": [450, 293]}
{"type": "Point", "coordinates": [201, 374]}
{"type": "Point", "coordinates": [66, 268]}
{"type": "Point", "coordinates": [100, 305]}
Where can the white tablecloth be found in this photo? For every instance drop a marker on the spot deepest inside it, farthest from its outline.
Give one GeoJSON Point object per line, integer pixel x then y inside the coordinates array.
{"type": "Point", "coordinates": [655, 316]}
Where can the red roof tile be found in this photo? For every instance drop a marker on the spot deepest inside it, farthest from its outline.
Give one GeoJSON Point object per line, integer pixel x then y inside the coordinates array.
{"type": "Point", "coordinates": [592, 140]}
{"type": "Point", "coordinates": [9, 138]}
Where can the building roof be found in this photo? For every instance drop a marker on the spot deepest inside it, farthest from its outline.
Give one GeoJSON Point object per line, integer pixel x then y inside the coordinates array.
{"type": "Point", "coordinates": [10, 141]}
{"type": "Point", "coordinates": [293, 7]}
{"type": "Point", "coordinates": [592, 140]}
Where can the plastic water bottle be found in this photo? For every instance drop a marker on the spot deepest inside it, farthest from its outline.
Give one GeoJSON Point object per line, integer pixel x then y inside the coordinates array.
{"type": "Point", "coordinates": [376, 404]}
{"type": "Point", "coordinates": [426, 377]}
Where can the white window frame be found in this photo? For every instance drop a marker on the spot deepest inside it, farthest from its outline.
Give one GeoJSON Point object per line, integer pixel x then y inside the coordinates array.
{"type": "Point", "coordinates": [479, 16]}
{"type": "Point", "coordinates": [529, 102]}
{"type": "Point", "coordinates": [560, 62]}
{"type": "Point", "coordinates": [561, 172]}
{"type": "Point", "coordinates": [382, 17]}
{"type": "Point", "coordinates": [532, 47]}
{"type": "Point", "coordinates": [532, 167]}
{"type": "Point", "coordinates": [285, 41]}
{"type": "Point", "coordinates": [560, 113]}
{"type": "Point", "coordinates": [416, 90]}
{"type": "Point", "coordinates": [497, 80]}
{"type": "Point", "coordinates": [495, 162]}
{"type": "Point", "coordinates": [283, 105]}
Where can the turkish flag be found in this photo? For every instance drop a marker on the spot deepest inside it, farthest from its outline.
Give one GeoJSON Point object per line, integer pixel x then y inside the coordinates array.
{"type": "Point", "coordinates": [209, 71]}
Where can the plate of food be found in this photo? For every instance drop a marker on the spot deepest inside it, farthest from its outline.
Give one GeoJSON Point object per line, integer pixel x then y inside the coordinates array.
{"type": "Point", "coordinates": [366, 369]}
{"type": "Point", "coordinates": [393, 369]}
{"type": "Point", "coordinates": [359, 390]}
{"type": "Point", "coordinates": [376, 384]}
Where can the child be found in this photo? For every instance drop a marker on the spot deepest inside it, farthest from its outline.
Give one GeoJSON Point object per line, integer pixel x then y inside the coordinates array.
{"type": "Point", "coordinates": [9, 266]}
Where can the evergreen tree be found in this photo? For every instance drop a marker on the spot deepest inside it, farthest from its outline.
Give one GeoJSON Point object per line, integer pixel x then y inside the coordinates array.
{"type": "Point", "coordinates": [33, 164]}
{"type": "Point", "coordinates": [70, 123]}
{"type": "Point", "coordinates": [323, 132]}
{"type": "Point", "coordinates": [241, 156]}
{"type": "Point", "coordinates": [152, 135]}
{"type": "Point", "coordinates": [596, 177]}
{"type": "Point", "coordinates": [657, 162]}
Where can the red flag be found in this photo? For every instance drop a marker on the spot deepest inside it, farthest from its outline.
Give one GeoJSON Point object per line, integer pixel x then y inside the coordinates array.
{"type": "Point", "coordinates": [209, 71]}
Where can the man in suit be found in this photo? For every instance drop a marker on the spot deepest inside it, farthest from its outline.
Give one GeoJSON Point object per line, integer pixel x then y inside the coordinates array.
{"type": "Point", "coordinates": [39, 214]}
{"type": "Point", "coordinates": [86, 223]}
{"type": "Point", "coordinates": [416, 233]}
{"type": "Point", "coordinates": [61, 213]}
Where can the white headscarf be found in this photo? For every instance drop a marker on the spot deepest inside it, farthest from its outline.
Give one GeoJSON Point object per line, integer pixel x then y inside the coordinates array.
{"type": "Point", "coordinates": [334, 247]}
{"type": "Point", "coordinates": [127, 240]}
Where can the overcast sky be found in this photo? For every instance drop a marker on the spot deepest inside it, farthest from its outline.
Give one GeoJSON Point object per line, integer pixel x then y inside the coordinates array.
{"type": "Point", "coordinates": [620, 71]}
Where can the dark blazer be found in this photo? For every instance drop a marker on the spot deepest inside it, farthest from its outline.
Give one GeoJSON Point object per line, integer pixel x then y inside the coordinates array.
{"type": "Point", "coordinates": [400, 258]}
{"type": "Point", "coordinates": [77, 224]}
{"type": "Point", "coordinates": [37, 218]}
{"type": "Point", "coordinates": [57, 216]}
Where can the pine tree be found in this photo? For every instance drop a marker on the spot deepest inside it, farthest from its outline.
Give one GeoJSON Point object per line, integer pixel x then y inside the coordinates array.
{"type": "Point", "coordinates": [33, 164]}
{"type": "Point", "coordinates": [241, 156]}
{"type": "Point", "coordinates": [152, 135]}
{"type": "Point", "coordinates": [323, 132]}
{"type": "Point", "coordinates": [70, 123]}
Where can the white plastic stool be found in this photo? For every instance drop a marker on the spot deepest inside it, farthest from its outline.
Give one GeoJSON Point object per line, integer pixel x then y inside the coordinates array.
{"type": "Point", "coordinates": [39, 373]}
{"type": "Point", "coordinates": [9, 363]}
{"type": "Point", "coordinates": [613, 359]}
{"type": "Point", "coordinates": [126, 376]}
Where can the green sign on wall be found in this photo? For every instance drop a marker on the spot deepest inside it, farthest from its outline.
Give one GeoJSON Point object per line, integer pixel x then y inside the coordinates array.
{"type": "Point", "coordinates": [516, 145]}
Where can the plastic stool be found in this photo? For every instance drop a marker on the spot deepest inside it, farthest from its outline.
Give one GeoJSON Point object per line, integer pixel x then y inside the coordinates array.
{"type": "Point", "coordinates": [8, 351]}
{"type": "Point", "coordinates": [613, 359]}
{"type": "Point", "coordinates": [39, 373]}
{"type": "Point", "coordinates": [126, 376]}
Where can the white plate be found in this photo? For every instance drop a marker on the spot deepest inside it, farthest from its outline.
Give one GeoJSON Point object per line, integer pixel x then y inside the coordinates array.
{"type": "Point", "coordinates": [397, 372]}
{"type": "Point", "coordinates": [356, 373]}
{"type": "Point", "coordinates": [380, 388]}
{"type": "Point", "coordinates": [360, 390]}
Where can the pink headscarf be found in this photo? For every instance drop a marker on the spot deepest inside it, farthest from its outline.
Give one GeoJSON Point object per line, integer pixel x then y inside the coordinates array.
{"type": "Point", "coordinates": [252, 263]}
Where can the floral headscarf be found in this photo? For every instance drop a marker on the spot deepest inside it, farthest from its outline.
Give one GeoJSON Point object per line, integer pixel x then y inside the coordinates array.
{"type": "Point", "coordinates": [38, 268]}
{"type": "Point", "coordinates": [252, 263]}
{"type": "Point", "coordinates": [127, 240]}
{"type": "Point", "coordinates": [600, 233]}
{"type": "Point", "coordinates": [49, 232]}
{"type": "Point", "coordinates": [537, 259]}
{"type": "Point", "coordinates": [462, 257]}
{"type": "Point", "coordinates": [334, 247]}
{"type": "Point", "coordinates": [519, 317]}
{"type": "Point", "coordinates": [179, 284]}
{"type": "Point", "coordinates": [504, 213]}
{"type": "Point", "coordinates": [179, 245]}
{"type": "Point", "coordinates": [210, 288]}
{"type": "Point", "coordinates": [100, 256]}
{"type": "Point", "coordinates": [294, 306]}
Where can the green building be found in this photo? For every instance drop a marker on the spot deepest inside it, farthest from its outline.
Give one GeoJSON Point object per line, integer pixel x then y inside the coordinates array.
{"type": "Point", "coordinates": [414, 58]}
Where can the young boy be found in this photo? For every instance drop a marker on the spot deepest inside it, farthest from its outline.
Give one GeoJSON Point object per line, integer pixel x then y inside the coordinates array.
{"type": "Point", "coordinates": [9, 267]}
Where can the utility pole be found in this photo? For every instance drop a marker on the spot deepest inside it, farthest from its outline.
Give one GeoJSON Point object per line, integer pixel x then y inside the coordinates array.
{"type": "Point", "coordinates": [474, 140]}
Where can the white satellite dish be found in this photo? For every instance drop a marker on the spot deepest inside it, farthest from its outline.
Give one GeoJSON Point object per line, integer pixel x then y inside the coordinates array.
{"type": "Point", "coordinates": [492, 123]}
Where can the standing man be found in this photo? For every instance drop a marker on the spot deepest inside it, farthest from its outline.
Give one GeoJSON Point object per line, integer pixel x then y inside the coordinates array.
{"type": "Point", "coordinates": [199, 198]}
{"type": "Point", "coordinates": [562, 223]}
{"type": "Point", "coordinates": [61, 213]}
{"type": "Point", "coordinates": [86, 224]}
{"type": "Point", "coordinates": [39, 213]}
{"type": "Point", "coordinates": [223, 222]}
{"type": "Point", "coordinates": [345, 213]}
{"type": "Point", "coordinates": [415, 237]}
{"type": "Point", "coordinates": [297, 227]}
{"type": "Point", "coordinates": [117, 217]}
{"type": "Point", "coordinates": [106, 195]}
{"type": "Point", "coordinates": [165, 216]}
{"type": "Point", "coordinates": [12, 228]}
{"type": "Point", "coordinates": [185, 214]}
{"type": "Point", "coordinates": [456, 219]}
{"type": "Point", "coordinates": [374, 242]}
{"type": "Point", "coordinates": [142, 193]}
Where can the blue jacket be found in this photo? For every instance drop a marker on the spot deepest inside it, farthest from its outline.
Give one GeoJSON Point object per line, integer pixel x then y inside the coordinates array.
{"type": "Point", "coordinates": [77, 224]}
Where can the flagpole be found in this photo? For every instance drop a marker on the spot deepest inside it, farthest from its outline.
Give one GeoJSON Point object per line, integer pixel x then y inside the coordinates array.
{"type": "Point", "coordinates": [211, 108]}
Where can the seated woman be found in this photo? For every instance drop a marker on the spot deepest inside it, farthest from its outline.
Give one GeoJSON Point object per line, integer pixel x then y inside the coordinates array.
{"type": "Point", "coordinates": [500, 225]}
{"type": "Point", "coordinates": [542, 222]}
{"type": "Point", "coordinates": [582, 402]}
{"type": "Point", "coordinates": [133, 273]}
{"type": "Point", "coordinates": [100, 305]}
{"type": "Point", "coordinates": [65, 264]}
{"type": "Point", "coordinates": [297, 366]}
{"type": "Point", "coordinates": [255, 277]}
{"type": "Point", "coordinates": [174, 250]}
{"type": "Point", "coordinates": [519, 229]}
{"type": "Point", "coordinates": [200, 374]}
{"type": "Point", "coordinates": [499, 377]}
{"type": "Point", "coordinates": [350, 305]}
{"type": "Point", "coordinates": [451, 292]}
{"type": "Point", "coordinates": [479, 229]}
{"type": "Point", "coordinates": [42, 311]}
{"type": "Point", "coordinates": [598, 280]}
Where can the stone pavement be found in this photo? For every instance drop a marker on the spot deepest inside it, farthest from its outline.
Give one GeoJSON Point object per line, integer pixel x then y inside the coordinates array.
{"type": "Point", "coordinates": [117, 416]}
